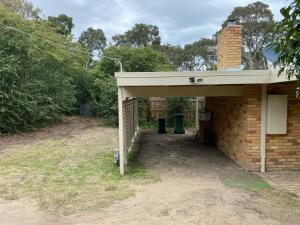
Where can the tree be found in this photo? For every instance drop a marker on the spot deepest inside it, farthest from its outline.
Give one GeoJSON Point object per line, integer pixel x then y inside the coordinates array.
{"type": "Point", "coordinates": [93, 40]}
{"type": "Point", "coordinates": [37, 82]}
{"type": "Point", "coordinates": [63, 23]}
{"type": "Point", "coordinates": [257, 21]}
{"type": "Point", "coordinates": [287, 41]}
{"type": "Point", "coordinates": [104, 89]}
{"type": "Point", "coordinates": [135, 60]}
{"type": "Point", "coordinates": [141, 35]}
{"type": "Point", "coordinates": [173, 52]}
{"type": "Point", "coordinates": [23, 8]}
{"type": "Point", "coordinates": [199, 55]}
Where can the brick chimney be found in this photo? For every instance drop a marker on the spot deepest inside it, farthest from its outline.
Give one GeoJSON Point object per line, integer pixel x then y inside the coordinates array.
{"type": "Point", "coordinates": [229, 48]}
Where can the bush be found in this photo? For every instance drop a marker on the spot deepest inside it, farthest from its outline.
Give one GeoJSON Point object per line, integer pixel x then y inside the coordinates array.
{"type": "Point", "coordinates": [135, 60]}
{"type": "Point", "coordinates": [36, 78]}
{"type": "Point", "coordinates": [105, 96]}
{"type": "Point", "coordinates": [176, 105]}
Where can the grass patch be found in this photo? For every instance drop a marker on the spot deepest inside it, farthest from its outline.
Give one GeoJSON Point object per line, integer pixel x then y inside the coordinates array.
{"type": "Point", "coordinates": [68, 174]}
{"type": "Point", "coordinates": [137, 169]}
{"type": "Point", "coordinates": [246, 180]}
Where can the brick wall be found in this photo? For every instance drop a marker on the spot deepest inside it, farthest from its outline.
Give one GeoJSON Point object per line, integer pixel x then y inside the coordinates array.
{"type": "Point", "coordinates": [283, 151]}
{"type": "Point", "coordinates": [229, 47]}
{"type": "Point", "coordinates": [237, 123]}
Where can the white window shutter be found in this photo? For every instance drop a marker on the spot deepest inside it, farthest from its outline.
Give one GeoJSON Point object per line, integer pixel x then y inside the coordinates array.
{"type": "Point", "coordinates": [277, 114]}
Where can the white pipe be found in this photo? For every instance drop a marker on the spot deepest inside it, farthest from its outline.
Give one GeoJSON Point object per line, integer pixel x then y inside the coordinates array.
{"type": "Point", "coordinates": [121, 138]}
{"type": "Point", "coordinates": [197, 112]}
{"type": "Point", "coordinates": [117, 61]}
{"type": "Point", "coordinates": [263, 128]}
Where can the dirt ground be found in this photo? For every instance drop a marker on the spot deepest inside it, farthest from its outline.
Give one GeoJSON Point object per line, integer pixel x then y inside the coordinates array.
{"type": "Point", "coordinates": [190, 191]}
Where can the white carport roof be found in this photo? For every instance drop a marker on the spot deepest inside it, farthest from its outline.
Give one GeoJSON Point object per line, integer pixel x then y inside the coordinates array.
{"type": "Point", "coordinates": [206, 78]}
{"type": "Point", "coordinates": [207, 83]}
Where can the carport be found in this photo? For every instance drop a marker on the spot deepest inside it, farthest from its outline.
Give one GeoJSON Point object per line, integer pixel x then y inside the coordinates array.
{"type": "Point", "coordinates": [188, 84]}
{"type": "Point", "coordinates": [255, 113]}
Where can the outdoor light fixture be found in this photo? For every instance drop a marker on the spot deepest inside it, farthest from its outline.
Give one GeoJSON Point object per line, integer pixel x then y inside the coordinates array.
{"type": "Point", "coordinates": [192, 79]}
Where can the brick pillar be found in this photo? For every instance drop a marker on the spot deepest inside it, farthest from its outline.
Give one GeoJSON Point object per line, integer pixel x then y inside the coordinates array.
{"type": "Point", "coordinates": [229, 48]}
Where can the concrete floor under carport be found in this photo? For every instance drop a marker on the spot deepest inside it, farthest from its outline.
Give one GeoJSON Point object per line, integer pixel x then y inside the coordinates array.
{"type": "Point", "coordinates": [181, 154]}
{"type": "Point", "coordinates": [192, 190]}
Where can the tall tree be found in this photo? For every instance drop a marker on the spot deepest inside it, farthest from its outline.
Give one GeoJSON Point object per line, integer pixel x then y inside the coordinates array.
{"type": "Point", "coordinates": [93, 40]}
{"type": "Point", "coordinates": [287, 42]}
{"type": "Point", "coordinates": [141, 35]}
{"type": "Point", "coordinates": [23, 8]}
{"type": "Point", "coordinates": [63, 23]}
{"type": "Point", "coordinates": [173, 52]}
{"type": "Point", "coordinates": [257, 21]}
{"type": "Point", "coordinates": [199, 55]}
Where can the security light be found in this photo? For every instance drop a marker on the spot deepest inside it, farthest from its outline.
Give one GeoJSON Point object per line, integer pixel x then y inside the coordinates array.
{"type": "Point", "coordinates": [192, 79]}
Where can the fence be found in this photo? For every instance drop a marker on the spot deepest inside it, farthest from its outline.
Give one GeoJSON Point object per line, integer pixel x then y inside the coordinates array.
{"type": "Point", "coordinates": [157, 109]}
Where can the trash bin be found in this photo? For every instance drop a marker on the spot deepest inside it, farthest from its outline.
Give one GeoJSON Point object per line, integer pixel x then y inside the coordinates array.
{"type": "Point", "coordinates": [162, 126]}
{"type": "Point", "coordinates": [210, 138]}
{"type": "Point", "coordinates": [178, 123]}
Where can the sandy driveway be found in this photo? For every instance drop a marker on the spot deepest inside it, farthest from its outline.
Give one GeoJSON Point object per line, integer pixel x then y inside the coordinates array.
{"type": "Point", "coordinates": [191, 191]}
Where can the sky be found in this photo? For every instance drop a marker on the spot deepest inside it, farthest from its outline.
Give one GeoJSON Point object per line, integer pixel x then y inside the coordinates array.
{"type": "Point", "coordinates": [180, 21]}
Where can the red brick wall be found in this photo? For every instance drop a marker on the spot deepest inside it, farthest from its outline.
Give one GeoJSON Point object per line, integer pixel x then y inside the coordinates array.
{"type": "Point", "coordinates": [237, 123]}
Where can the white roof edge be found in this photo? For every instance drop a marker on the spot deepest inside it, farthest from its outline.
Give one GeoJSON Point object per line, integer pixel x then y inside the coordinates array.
{"type": "Point", "coordinates": [194, 73]}
{"type": "Point", "coordinates": [201, 77]}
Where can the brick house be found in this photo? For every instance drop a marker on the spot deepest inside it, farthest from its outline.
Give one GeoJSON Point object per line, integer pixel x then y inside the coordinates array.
{"type": "Point", "coordinates": [239, 135]}
{"type": "Point", "coordinates": [255, 113]}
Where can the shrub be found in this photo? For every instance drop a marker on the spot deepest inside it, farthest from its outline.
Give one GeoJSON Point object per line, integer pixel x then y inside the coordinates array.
{"type": "Point", "coordinates": [105, 96]}
{"type": "Point", "coordinates": [36, 78]}
{"type": "Point", "coordinates": [176, 105]}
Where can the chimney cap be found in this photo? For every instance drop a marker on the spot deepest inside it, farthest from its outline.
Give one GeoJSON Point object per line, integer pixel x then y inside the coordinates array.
{"type": "Point", "coordinates": [231, 21]}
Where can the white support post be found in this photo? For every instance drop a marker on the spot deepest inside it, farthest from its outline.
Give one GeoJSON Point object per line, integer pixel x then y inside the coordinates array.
{"type": "Point", "coordinates": [263, 128]}
{"type": "Point", "coordinates": [197, 112]}
{"type": "Point", "coordinates": [121, 133]}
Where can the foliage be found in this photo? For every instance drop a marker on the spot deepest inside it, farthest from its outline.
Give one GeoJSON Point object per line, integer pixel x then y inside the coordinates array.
{"type": "Point", "coordinates": [178, 104]}
{"type": "Point", "coordinates": [287, 42]}
{"type": "Point", "coordinates": [257, 21]}
{"type": "Point", "coordinates": [147, 124]}
{"type": "Point", "coordinates": [93, 40]}
{"type": "Point", "coordinates": [105, 95]}
{"type": "Point", "coordinates": [63, 23]}
{"type": "Point", "coordinates": [174, 53]}
{"type": "Point", "coordinates": [134, 60]}
{"type": "Point", "coordinates": [36, 76]}
{"type": "Point", "coordinates": [141, 35]}
{"type": "Point", "coordinates": [104, 88]}
{"type": "Point", "coordinates": [23, 8]}
{"type": "Point", "coordinates": [199, 55]}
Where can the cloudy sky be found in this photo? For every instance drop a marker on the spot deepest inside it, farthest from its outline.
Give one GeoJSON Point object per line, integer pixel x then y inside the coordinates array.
{"type": "Point", "coordinates": [180, 21]}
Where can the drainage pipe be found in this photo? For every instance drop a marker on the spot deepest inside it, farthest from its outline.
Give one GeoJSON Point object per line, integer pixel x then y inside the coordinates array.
{"type": "Point", "coordinates": [197, 113]}
{"type": "Point", "coordinates": [263, 128]}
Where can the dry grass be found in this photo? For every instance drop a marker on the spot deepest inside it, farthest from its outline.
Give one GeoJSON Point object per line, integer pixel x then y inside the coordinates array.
{"type": "Point", "coordinates": [68, 173]}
